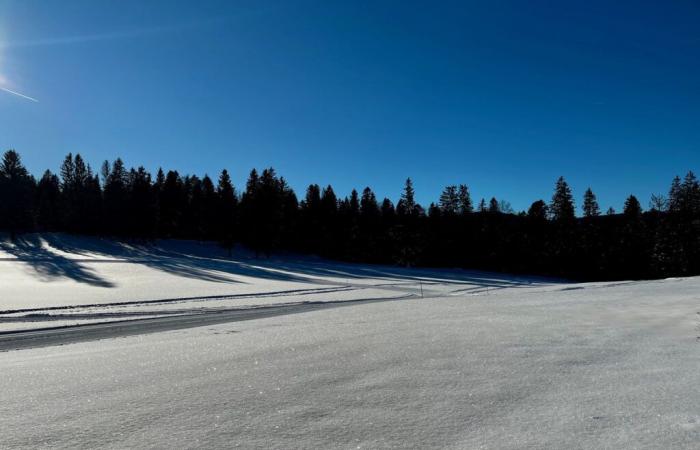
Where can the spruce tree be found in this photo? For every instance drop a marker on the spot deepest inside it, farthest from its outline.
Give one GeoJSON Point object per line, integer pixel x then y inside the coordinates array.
{"type": "Point", "coordinates": [369, 208]}
{"type": "Point", "coordinates": [675, 195]}
{"type": "Point", "coordinates": [116, 207]}
{"type": "Point", "coordinates": [590, 204]}
{"type": "Point", "coordinates": [16, 194]}
{"type": "Point", "coordinates": [632, 207]}
{"type": "Point", "coordinates": [141, 211]}
{"type": "Point", "coordinates": [464, 200]}
{"type": "Point", "coordinates": [388, 210]}
{"type": "Point", "coordinates": [494, 207]}
{"type": "Point", "coordinates": [226, 211]}
{"type": "Point", "coordinates": [48, 202]}
{"type": "Point", "coordinates": [562, 206]}
{"type": "Point", "coordinates": [449, 200]}
{"type": "Point", "coordinates": [408, 199]}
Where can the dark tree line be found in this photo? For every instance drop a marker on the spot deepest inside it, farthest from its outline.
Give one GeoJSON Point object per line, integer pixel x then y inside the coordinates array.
{"type": "Point", "coordinates": [267, 216]}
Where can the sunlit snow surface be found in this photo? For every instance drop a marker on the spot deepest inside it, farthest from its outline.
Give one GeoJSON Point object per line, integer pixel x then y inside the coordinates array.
{"type": "Point", "coordinates": [55, 279]}
{"type": "Point", "coordinates": [522, 364]}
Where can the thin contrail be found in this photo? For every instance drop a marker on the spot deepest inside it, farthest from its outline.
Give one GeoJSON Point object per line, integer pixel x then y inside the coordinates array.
{"type": "Point", "coordinates": [19, 95]}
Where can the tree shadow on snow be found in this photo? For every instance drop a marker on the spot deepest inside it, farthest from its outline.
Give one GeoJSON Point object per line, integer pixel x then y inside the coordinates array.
{"type": "Point", "coordinates": [182, 258]}
{"type": "Point", "coordinates": [29, 250]}
{"type": "Point", "coordinates": [208, 262]}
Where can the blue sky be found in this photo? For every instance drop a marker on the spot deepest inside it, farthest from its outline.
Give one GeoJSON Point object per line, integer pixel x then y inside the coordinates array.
{"type": "Point", "coordinates": [502, 95]}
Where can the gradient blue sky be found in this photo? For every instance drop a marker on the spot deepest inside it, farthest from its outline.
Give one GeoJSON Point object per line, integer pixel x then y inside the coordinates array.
{"type": "Point", "coordinates": [502, 95]}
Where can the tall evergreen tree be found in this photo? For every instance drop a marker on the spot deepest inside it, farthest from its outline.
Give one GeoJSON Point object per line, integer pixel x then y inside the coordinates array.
{"type": "Point", "coordinates": [562, 206]}
{"type": "Point", "coordinates": [226, 220]}
{"type": "Point", "coordinates": [590, 204]}
{"type": "Point", "coordinates": [675, 195]}
{"type": "Point", "coordinates": [449, 200]}
{"type": "Point", "coordinates": [369, 208]}
{"type": "Point", "coordinates": [464, 200]}
{"type": "Point", "coordinates": [171, 202]}
{"type": "Point", "coordinates": [494, 207]}
{"type": "Point", "coordinates": [408, 199]}
{"type": "Point", "coordinates": [142, 204]}
{"type": "Point", "coordinates": [116, 206]}
{"type": "Point", "coordinates": [48, 201]}
{"type": "Point", "coordinates": [16, 194]}
{"type": "Point", "coordinates": [632, 207]}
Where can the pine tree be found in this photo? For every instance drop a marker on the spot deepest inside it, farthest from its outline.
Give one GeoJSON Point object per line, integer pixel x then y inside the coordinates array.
{"type": "Point", "coordinates": [142, 211]}
{"type": "Point", "coordinates": [226, 212]}
{"type": "Point", "coordinates": [562, 206]}
{"type": "Point", "coordinates": [590, 204]}
{"type": "Point", "coordinates": [675, 195]}
{"type": "Point", "coordinates": [116, 207]}
{"type": "Point", "coordinates": [632, 207]}
{"type": "Point", "coordinates": [449, 200]}
{"type": "Point", "coordinates": [329, 203]}
{"type": "Point", "coordinates": [172, 201]}
{"type": "Point", "coordinates": [369, 208]}
{"type": "Point", "coordinates": [312, 201]}
{"type": "Point", "coordinates": [388, 210]}
{"type": "Point", "coordinates": [16, 194]}
{"type": "Point", "coordinates": [464, 200]}
{"type": "Point", "coordinates": [494, 207]}
{"type": "Point", "coordinates": [48, 200]}
{"type": "Point", "coordinates": [690, 194]}
{"type": "Point", "coordinates": [408, 199]}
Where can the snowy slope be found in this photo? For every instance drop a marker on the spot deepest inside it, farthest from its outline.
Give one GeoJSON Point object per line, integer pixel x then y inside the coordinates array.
{"type": "Point", "coordinates": [56, 279]}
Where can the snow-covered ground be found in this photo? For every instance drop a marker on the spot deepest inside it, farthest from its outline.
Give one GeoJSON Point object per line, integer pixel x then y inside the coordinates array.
{"type": "Point", "coordinates": [55, 279]}
{"type": "Point", "coordinates": [483, 361]}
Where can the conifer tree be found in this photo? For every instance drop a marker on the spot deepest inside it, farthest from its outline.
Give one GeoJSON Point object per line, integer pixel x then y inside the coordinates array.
{"type": "Point", "coordinates": [408, 199]}
{"type": "Point", "coordinates": [329, 203]}
{"type": "Point", "coordinates": [142, 210]}
{"type": "Point", "coordinates": [632, 208]}
{"type": "Point", "coordinates": [675, 195]}
{"type": "Point", "coordinates": [449, 200]}
{"type": "Point", "coordinates": [48, 201]}
{"type": "Point", "coordinates": [590, 204]}
{"type": "Point", "coordinates": [226, 211]}
{"type": "Point", "coordinates": [465, 200]}
{"type": "Point", "coordinates": [494, 207]}
{"type": "Point", "coordinates": [172, 202]}
{"type": "Point", "coordinates": [690, 198]}
{"type": "Point", "coordinates": [562, 206]}
{"type": "Point", "coordinates": [369, 208]}
{"type": "Point", "coordinates": [116, 207]}
{"type": "Point", "coordinates": [388, 210]}
{"type": "Point", "coordinates": [16, 194]}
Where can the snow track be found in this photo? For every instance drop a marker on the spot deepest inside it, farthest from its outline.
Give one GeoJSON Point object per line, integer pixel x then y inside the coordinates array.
{"type": "Point", "coordinates": [42, 337]}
